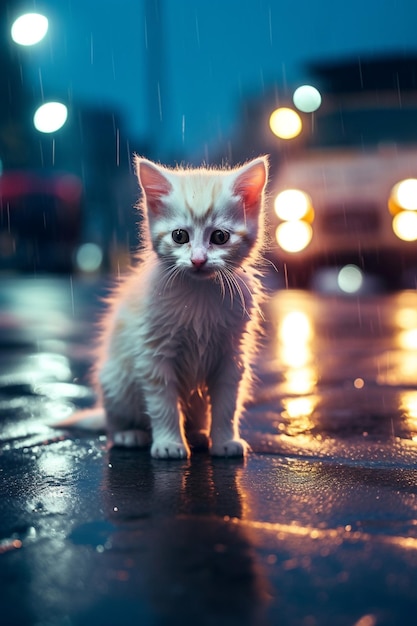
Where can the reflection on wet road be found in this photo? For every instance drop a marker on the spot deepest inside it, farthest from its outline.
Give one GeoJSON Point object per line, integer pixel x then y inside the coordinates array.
{"type": "Point", "coordinates": [318, 526]}
{"type": "Point", "coordinates": [340, 376]}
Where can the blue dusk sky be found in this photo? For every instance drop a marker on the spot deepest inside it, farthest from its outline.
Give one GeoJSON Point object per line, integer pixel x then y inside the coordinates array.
{"type": "Point", "coordinates": [201, 58]}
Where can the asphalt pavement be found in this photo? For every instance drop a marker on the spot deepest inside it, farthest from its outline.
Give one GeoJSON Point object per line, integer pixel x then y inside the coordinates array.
{"type": "Point", "coordinates": [317, 527]}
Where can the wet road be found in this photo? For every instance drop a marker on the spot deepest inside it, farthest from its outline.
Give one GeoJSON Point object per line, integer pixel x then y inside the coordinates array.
{"type": "Point", "coordinates": [317, 527]}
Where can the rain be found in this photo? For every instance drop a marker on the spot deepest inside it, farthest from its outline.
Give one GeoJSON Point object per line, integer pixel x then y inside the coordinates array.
{"type": "Point", "coordinates": [317, 524]}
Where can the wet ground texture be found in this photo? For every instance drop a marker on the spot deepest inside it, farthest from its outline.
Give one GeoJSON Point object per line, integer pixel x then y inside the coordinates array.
{"type": "Point", "coordinates": [317, 527]}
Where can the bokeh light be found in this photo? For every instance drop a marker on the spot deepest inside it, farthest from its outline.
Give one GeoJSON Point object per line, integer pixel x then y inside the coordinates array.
{"type": "Point", "coordinates": [405, 194]}
{"type": "Point", "coordinates": [50, 117]}
{"type": "Point", "coordinates": [292, 204]}
{"type": "Point", "coordinates": [89, 257]}
{"type": "Point", "coordinates": [307, 98]}
{"type": "Point", "coordinates": [29, 29]}
{"type": "Point", "coordinates": [350, 279]}
{"type": "Point", "coordinates": [404, 225]}
{"type": "Point", "coordinates": [294, 236]}
{"type": "Point", "coordinates": [285, 123]}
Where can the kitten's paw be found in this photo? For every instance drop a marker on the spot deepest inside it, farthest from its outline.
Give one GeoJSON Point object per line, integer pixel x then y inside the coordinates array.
{"type": "Point", "coordinates": [166, 449]}
{"type": "Point", "coordinates": [231, 448]}
{"type": "Point", "coordinates": [130, 439]}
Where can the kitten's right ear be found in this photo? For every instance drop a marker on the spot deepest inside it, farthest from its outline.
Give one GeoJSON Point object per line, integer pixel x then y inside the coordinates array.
{"type": "Point", "coordinates": [154, 183]}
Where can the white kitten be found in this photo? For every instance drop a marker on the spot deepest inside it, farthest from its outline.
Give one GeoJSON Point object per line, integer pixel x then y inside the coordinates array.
{"type": "Point", "coordinates": [180, 333]}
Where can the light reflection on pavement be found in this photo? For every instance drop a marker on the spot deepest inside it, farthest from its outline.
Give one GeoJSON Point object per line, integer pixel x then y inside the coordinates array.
{"type": "Point", "coordinates": [318, 526]}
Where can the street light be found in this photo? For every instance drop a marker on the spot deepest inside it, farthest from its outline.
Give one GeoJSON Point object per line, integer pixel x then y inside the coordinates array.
{"type": "Point", "coordinates": [29, 29]}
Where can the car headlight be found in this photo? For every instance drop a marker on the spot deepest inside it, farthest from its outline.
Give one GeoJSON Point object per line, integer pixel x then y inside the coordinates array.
{"type": "Point", "coordinates": [404, 225]}
{"type": "Point", "coordinates": [293, 204]}
{"type": "Point", "coordinates": [404, 195]}
{"type": "Point", "coordinates": [402, 204]}
{"type": "Point", "coordinates": [295, 210]}
{"type": "Point", "coordinates": [294, 236]}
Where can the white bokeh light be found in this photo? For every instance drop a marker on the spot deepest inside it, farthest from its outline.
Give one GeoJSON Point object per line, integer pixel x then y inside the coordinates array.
{"type": "Point", "coordinates": [29, 29]}
{"type": "Point", "coordinates": [50, 117]}
{"type": "Point", "coordinates": [350, 279]}
{"type": "Point", "coordinates": [307, 98]}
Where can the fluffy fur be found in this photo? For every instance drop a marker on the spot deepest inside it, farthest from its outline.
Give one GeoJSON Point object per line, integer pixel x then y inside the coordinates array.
{"type": "Point", "coordinates": [174, 362]}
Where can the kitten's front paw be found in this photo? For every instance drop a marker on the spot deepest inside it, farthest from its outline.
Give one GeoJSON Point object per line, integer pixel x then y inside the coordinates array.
{"type": "Point", "coordinates": [231, 448]}
{"type": "Point", "coordinates": [169, 450]}
{"type": "Point", "coordinates": [130, 439]}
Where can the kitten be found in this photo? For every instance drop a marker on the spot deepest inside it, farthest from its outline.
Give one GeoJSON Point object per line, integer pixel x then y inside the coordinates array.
{"type": "Point", "coordinates": [177, 342]}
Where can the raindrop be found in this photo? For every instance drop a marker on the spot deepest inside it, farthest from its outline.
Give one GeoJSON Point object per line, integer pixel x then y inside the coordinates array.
{"type": "Point", "coordinates": [197, 30]}
{"type": "Point", "coordinates": [72, 296]}
{"type": "Point", "coordinates": [270, 25]}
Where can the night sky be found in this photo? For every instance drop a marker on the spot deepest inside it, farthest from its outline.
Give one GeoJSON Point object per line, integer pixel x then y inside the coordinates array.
{"type": "Point", "coordinates": [206, 56]}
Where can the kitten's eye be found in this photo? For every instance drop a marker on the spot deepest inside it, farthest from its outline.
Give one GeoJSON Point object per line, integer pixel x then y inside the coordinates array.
{"type": "Point", "coordinates": [180, 236]}
{"type": "Point", "coordinates": [219, 237]}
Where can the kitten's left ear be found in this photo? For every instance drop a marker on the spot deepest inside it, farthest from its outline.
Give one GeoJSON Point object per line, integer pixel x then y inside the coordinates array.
{"type": "Point", "coordinates": [154, 183]}
{"type": "Point", "coordinates": [250, 182]}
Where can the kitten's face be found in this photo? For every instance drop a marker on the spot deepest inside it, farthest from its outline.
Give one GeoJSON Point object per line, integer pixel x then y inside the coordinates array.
{"type": "Point", "coordinates": [203, 221]}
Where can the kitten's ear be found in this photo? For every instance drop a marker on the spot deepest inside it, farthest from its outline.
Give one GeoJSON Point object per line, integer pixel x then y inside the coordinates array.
{"type": "Point", "coordinates": [250, 182]}
{"type": "Point", "coordinates": [154, 183]}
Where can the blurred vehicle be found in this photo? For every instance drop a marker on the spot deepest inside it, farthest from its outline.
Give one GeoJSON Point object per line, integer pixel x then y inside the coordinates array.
{"type": "Point", "coordinates": [40, 220]}
{"type": "Point", "coordinates": [348, 193]}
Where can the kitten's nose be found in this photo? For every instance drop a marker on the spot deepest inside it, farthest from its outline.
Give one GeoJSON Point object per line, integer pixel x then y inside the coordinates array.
{"type": "Point", "coordinates": [198, 262]}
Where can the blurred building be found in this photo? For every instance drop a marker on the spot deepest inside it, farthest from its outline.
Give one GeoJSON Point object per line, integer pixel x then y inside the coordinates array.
{"type": "Point", "coordinates": [59, 190]}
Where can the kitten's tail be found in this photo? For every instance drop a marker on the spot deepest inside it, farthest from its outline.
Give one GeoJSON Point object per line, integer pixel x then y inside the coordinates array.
{"type": "Point", "coordinates": [88, 419]}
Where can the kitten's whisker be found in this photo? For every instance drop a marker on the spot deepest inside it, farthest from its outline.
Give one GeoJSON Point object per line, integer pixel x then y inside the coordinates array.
{"type": "Point", "coordinates": [236, 287]}
{"type": "Point", "coordinates": [219, 278]}
{"type": "Point", "coordinates": [226, 282]}
{"type": "Point", "coordinates": [252, 295]}
{"type": "Point", "coordinates": [172, 272]}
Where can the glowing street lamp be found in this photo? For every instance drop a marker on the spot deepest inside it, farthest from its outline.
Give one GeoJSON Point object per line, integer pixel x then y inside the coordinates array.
{"type": "Point", "coordinates": [29, 29]}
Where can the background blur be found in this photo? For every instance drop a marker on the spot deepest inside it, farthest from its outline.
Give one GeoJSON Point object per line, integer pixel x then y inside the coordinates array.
{"type": "Point", "coordinates": [175, 81]}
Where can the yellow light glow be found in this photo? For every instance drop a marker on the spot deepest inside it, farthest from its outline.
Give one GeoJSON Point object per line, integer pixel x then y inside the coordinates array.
{"type": "Point", "coordinates": [292, 204]}
{"type": "Point", "coordinates": [404, 225]}
{"type": "Point", "coordinates": [300, 407]}
{"type": "Point", "coordinates": [285, 123]}
{"type": "Point", "coordinates": [295, 333]}
{"type": "Point", "coordinates": [404, 194]}
{"type": "Point", "coordinates": [406, 318]}
{"type": "Point", "coordinates": [295, 359]}
{"type": "Point", "coordinates": [294, 236]}
{"type": "Point", "coordinates": [407, 339]}
{"type": "Point", "coordinates": [295, 328]}
{"type": "Point", "coordinates": [300, 380]}
{"type": "Point", "coordinates": [408, 405]}
{"type": "Point", "coordinates": [29, 29]}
